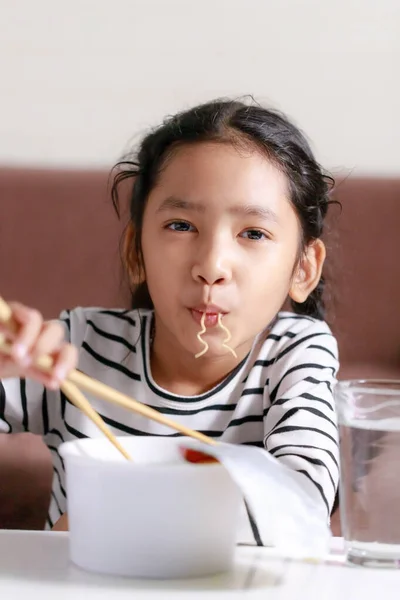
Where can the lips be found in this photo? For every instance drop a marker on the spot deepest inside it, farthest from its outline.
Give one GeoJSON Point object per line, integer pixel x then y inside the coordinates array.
{"type": "Point", "coordinates": [210, 309]}
{"type": "Point", "coordinates": [211, 313]}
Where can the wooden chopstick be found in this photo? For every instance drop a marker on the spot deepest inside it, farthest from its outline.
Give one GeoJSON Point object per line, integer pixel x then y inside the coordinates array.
{"type": "Point", "coordinates": [104, 391]}
{"type": "Point", "coordinates": [81, 402]}
{"type": "Point", "coordinates": [109, 394]}
{"type": "Point", "coordinates": [6, 316]}
{"type": "Point", "coordinates": [69, 389]}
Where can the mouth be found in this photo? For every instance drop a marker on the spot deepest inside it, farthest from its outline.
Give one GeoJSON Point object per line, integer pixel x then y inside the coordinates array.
{"type": "Point", "coordinates": [210, 309]}
{"type": "Point", "coordinates": [211, 312]}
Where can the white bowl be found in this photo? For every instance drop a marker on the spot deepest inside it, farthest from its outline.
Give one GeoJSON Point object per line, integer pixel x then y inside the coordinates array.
{"type": "Point", "coordinates": [156, 517]}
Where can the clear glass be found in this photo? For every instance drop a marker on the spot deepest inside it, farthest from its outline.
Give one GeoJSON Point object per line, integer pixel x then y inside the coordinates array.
{"type": "Point", "coordinates": [369, 422]}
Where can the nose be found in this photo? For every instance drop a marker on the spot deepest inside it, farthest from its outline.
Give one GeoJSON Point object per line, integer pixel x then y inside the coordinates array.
{"type": "Point", "coordinates": [213, 262]}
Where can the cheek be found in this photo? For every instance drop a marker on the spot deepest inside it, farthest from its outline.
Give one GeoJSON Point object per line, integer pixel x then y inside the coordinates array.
{"type": "Point", "coordinates": [160, 255]}
{"type": "Point", "coordinates": [159, 283]}
{"type": "Point", "coordinates": [276, 264]}
{"type": "Point", "coordinates": [268, 279]}
{"type": "Point", "coordinates": [160, 270]}
{"type": "Point", "coordinates": [153, 262]}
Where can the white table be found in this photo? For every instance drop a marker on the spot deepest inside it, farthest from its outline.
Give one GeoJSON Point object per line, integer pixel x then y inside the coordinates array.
{"type": "Point", "coordinates": [35, 566]}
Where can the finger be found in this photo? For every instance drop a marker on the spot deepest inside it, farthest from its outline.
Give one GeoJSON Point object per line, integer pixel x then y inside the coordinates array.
{"type": "Point", "coordinates": [50, 340]}
{"type": "Point", "coordinates": [12, 323]}
{"type": "Point", "coordinates": [8, 367]}
{"type": "Point", "coordinates": [64, 361]}
{"type": "Point", "coordinates": [46, 379]}
{"type": "Point", "coordinates": [30, 323]}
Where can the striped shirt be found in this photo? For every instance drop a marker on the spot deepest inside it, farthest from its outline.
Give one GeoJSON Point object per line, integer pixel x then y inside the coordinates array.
{"type": "Point", "coordinates": [279, 397]}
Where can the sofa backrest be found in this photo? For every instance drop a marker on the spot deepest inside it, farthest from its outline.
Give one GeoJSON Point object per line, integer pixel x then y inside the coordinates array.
{"type": "Point", "coordinates": [364, 263]}
{"type": "Point", "coordinates": [59, 248]}
{"type": "Point", "coordinates": [59, 240]}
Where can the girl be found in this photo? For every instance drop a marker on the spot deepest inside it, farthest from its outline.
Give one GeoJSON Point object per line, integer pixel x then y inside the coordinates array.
{"type": "Point", "coordinates": [227, 206]}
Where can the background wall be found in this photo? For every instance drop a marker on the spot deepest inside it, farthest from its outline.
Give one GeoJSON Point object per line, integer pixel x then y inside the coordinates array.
{"type": "Point", "coordinates": [80, 78]}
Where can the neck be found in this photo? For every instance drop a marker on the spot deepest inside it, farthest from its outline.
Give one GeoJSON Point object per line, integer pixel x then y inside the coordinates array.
{"type": "Point", "coordinates": [175, 369]}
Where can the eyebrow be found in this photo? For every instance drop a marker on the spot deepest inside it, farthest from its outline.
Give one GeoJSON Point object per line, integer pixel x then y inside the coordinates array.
{"type": "Point", "coordinates": [252, 210]}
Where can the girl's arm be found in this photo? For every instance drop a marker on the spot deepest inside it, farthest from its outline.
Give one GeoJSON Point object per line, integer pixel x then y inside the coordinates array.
{"type": "Point", "coordinates": [62, 523]}
{"type": "Point", "coordinates": [300, 426]}
{"type": "Point", "coordinates": [22, 386]}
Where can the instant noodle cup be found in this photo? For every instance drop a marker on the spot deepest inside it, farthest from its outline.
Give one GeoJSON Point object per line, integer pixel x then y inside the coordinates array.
{"type": "Point", "coordinates": [158, 516]}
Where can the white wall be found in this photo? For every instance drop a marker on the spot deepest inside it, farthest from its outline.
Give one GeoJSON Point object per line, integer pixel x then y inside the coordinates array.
{"type": "Point", "coordinates": [80, 77]}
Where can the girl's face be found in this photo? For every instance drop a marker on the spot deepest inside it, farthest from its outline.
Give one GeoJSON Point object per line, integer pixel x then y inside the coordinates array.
{"type": "Point", "coordinates": [219, 236]}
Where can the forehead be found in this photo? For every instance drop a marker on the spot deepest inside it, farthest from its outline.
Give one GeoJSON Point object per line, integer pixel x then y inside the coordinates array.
{"type": "Point", "coordinates": [220, 172]}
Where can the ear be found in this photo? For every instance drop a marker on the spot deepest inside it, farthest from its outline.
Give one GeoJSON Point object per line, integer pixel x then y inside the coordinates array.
{"type": "Point", "coordinates": [132, 262]}
{"type": "Point", "coordinates": [308, 272]}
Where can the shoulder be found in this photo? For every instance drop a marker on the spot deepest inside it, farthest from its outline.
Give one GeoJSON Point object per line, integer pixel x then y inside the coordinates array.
{"type": "Point", "coordinates": [101, 321]}
{"type": "Point", "coordinates": [304, 349]}
{"type": "Point", "coordinates": [290, 331]}
{"type": "Point", "coordinates": [297, 340]}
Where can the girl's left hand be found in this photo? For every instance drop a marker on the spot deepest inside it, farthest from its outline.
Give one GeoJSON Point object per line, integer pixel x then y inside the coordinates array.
{"type": "Point", "coordinates": [62, 523]}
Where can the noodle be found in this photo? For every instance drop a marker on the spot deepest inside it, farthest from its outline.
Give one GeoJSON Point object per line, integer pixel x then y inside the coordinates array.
{"type": "Point", "coordinates": [228, 336]}
{"type": "Point", "coordinates": [203, 330]}
{"type": "Point", "coordinates": [204, 343]}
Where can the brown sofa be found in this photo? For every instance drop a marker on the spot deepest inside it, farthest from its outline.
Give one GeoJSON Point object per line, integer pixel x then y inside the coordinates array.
{"type": "Point", "coordinates": [59, 248]}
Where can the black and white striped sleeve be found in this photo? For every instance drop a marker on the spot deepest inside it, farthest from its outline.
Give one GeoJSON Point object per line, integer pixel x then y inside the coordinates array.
{"type": "Point", "coordinates": [23, 402]}
{"type": "Point", "coordinates": [300, 427]}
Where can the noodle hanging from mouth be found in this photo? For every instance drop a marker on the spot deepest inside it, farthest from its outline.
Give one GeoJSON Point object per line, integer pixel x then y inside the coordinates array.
{"type": "Point", "coordinates": [228, 336]}
{"type": "Point", "coordinates": [203, 330]}
{"type": "Point", "coordinates": [204, 343]}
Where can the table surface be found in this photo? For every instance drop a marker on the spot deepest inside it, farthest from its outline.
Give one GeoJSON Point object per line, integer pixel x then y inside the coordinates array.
{"type": "Point", "coordinates": [36, 565]}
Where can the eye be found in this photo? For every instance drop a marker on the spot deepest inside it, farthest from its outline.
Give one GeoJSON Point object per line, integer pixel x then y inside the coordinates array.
{"type": "Point", "coordinates": [180, 226]}
{"type": "Point", "coordinates": [255, 235]}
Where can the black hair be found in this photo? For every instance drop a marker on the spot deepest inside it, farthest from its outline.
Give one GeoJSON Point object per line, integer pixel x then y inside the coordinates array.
{"type": "Point", "coordinates": [235, 122]}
